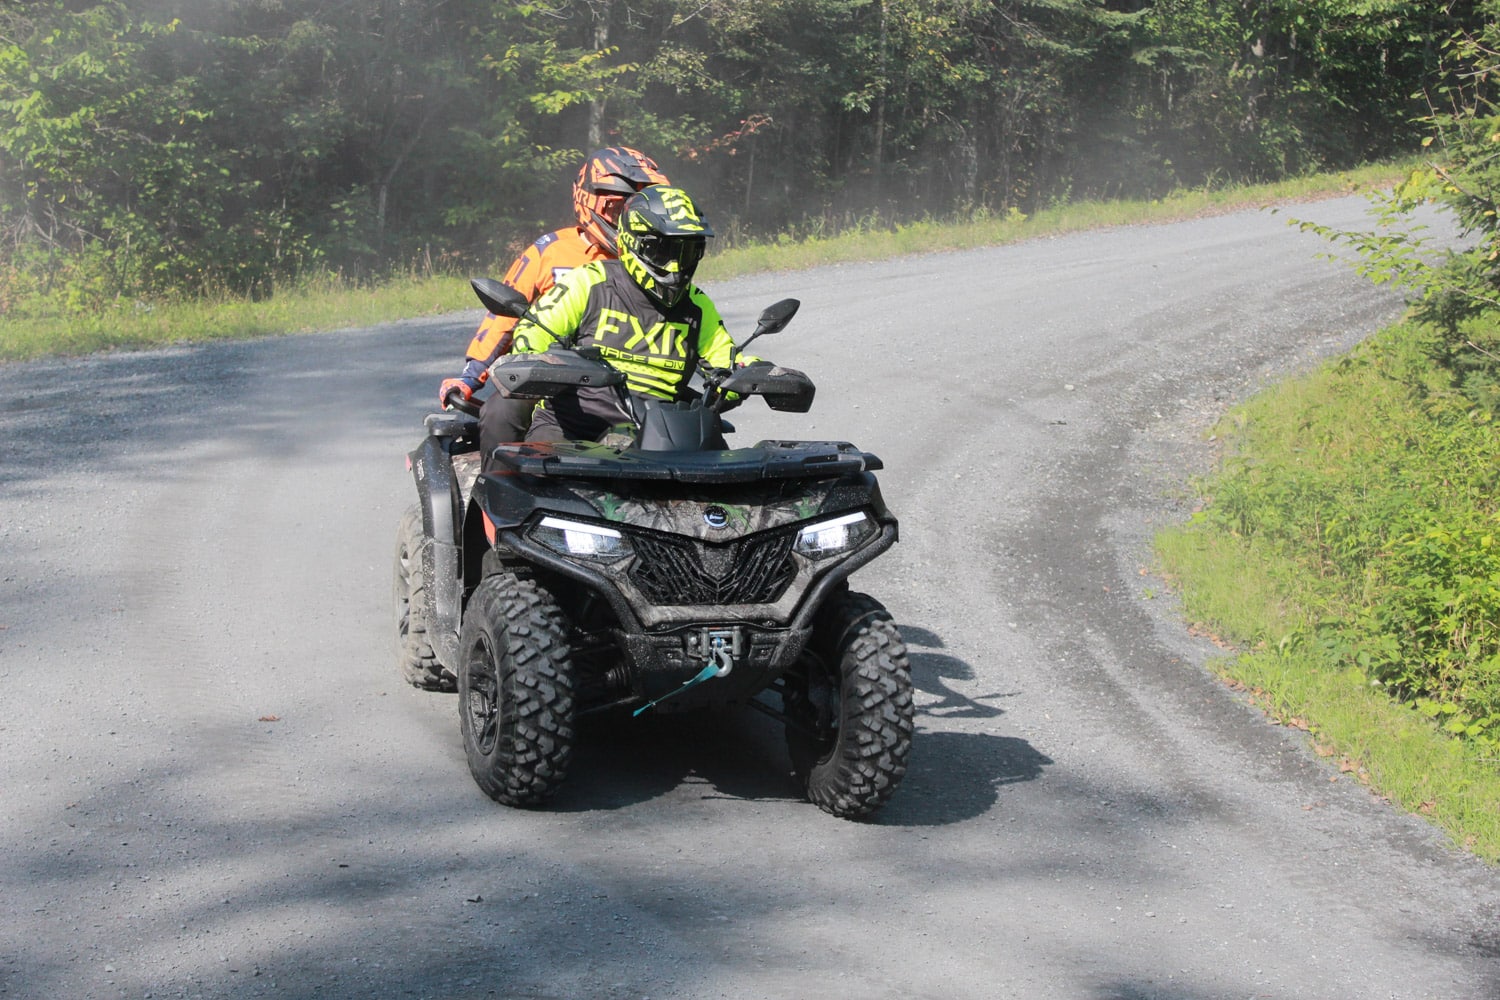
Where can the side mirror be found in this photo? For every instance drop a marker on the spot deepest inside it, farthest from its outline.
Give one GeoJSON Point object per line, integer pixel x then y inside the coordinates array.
{"type": "Point", "coordinates": [776, 317]}
{"type": "Point", "coordinates": [499, 298]}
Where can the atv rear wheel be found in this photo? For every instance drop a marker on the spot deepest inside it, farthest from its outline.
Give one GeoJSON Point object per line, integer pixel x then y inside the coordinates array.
{"type": "Point", "coordinates": [515, 690]}
{"type": "Point", "coordinates": [849, 709]}
{"type": "Point", "coordinates": [414, 654]}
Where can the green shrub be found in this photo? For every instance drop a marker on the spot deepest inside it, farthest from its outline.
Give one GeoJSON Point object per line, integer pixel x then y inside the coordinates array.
{"type": "Point", "coordinates": [1434, 617]}
{"type": "Point", "coordinates": [1375, 481]}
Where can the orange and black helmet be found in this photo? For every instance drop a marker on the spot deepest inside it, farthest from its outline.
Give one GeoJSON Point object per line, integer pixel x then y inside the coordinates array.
{"type": "Point", "coordinates": [605, 180]}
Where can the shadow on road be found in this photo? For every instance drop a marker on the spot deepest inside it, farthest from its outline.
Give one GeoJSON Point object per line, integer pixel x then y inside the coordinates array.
{"type": "Point", "coordinates": [952, 776]}
{"type": "Point", "coordinates": [1151, 989]}
{"type": "Point", "coordinates": [622, 761]}
{"type": "Point", "coordinates": [932, 672]}
{"type": "Point", "coordinates": [136, 410]}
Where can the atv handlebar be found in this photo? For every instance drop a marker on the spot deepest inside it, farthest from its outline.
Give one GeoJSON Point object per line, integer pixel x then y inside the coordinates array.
{"type": "Point", "coordinates": [455, 400]}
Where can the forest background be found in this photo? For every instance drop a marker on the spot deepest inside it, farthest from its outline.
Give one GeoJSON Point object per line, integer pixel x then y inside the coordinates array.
{"type": "Point", "coordinates": [162, 149]}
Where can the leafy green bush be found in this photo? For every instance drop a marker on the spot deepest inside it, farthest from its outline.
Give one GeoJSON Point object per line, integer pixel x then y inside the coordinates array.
{"type": "Point", "coordinates": [1350, 553]}
{"type": "Point", "coordinates": [1434, 613]}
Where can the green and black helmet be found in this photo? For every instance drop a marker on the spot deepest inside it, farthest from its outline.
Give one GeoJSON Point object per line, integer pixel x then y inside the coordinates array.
{"type": "Point", "coordinates": [662, 239]}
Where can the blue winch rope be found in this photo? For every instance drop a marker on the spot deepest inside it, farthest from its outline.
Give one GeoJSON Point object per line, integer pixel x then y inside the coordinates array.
{"type": "Point", "coordinates": [709, 671]}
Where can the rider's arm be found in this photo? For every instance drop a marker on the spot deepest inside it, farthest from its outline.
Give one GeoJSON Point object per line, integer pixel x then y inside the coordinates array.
{"type": "Point", "coordinates": [555, 317]}
{"type": "Point", "coordinates": [715, 346]}
{"type": "Point", "coordinates": [493, 336]}
{"type": "Point", "coordinates": [532, 274]}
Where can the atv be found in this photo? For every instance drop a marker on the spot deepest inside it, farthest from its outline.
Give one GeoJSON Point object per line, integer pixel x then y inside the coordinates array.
{"type": "Point", "coordinates": [656, 569]}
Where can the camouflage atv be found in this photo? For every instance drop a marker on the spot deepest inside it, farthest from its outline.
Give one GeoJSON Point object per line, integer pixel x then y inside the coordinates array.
{"type": "Point", "coordinates": [656, 570]}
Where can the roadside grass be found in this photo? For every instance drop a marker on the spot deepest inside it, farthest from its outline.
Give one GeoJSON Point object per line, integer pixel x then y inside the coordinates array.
{"type": "Point", "coordinates": [876, 242]}
{"type": "Point", "coordinates": [1320, 480]}
{"type": "Point", "coordinates": [328, 303]}
{"type": "Point", "coordinates": [315, 307]}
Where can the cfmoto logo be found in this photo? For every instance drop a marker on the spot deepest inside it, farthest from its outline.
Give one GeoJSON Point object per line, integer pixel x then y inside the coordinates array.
{"type": "Point", "coordinates": [716, 517]}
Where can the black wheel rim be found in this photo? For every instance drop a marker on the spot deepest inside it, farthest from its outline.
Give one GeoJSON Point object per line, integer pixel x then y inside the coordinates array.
{"type": "Point", "coordinates": [819, 711]}
{"type": "Point", "coordinates": [824, 691]}
{"type": "Point", "coordinates": [403, 596]}
{"type": "Point", "coordinates": [483, 698]}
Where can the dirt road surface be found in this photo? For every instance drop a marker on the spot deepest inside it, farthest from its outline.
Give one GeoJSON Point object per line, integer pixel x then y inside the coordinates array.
{"type": "Point", "coordinates": [215, 785]}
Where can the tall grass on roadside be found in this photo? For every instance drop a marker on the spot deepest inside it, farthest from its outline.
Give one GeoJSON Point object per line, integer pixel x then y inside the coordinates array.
{"type": "Point", "coordinates": [47, 326]}
{"type": "Point", "coordinates": [325, 304]}
{"type": "Point", "coordinates": [1350, 549]}
{"type": "Point", "coordinates": [872, 240]}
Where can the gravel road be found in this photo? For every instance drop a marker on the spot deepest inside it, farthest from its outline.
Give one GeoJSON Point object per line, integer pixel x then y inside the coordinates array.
{"type": "Point", "coordinates": [215, 785]}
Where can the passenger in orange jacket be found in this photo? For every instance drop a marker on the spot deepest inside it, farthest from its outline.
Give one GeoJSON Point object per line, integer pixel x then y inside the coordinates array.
{"type": "Point", "coordinates": [605, 180]}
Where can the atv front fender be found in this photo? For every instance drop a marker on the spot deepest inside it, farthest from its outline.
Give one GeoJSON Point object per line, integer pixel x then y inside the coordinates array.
{"type": "Point", "coordinates": [440, 499]}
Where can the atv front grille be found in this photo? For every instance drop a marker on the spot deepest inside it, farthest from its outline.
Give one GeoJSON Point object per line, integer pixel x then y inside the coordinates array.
{"type": "Point", "coordinates": [673, 570]}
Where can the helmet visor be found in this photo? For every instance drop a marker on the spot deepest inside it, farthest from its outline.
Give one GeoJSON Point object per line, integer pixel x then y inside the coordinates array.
{"type": "Point", "coordinates": [661, 252]}
{"type": "Point", "coordinates": [608, 206]}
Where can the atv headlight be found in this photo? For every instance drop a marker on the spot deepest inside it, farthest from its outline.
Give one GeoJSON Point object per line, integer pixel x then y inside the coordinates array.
{"type": "Point", "coordinates": [831, 538]}
{"type": "Point", "coordinates": [574, 538]}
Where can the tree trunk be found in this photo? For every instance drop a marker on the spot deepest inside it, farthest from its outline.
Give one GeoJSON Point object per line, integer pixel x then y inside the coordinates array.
{"type": "Point", "coordinates": [968, 159]}
{"type": "Point", "coordinates": [879, 151]}
{"type": "Point", "coordinates": [600, 9]}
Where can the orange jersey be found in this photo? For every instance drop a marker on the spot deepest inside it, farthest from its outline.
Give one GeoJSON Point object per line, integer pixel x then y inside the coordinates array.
{"type": "Point", "coordinates": [533, 274]}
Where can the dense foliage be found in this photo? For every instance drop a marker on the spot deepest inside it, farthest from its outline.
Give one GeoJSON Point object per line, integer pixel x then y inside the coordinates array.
{"type": "Point", "coordinates": [1457, 287]}
{"type": "Point", "coordinates": [162, 147]}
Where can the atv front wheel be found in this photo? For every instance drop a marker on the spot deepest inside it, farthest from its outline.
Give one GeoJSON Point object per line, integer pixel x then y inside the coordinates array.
{"type": "Point", "coordinates": [849, 709]}
{"type": "Point", "coordinates": [515, 690]}
{"type": "Point", "coordinates": [414, 655]}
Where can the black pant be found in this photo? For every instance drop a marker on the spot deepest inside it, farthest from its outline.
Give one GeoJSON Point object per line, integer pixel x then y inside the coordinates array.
{"type": "Point", "coordinates": [585, 414]}
{"type": "Point", "coordinates": [503, 420]}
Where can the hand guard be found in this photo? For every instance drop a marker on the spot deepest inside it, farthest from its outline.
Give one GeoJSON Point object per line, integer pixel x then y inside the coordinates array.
{"type": "Point", "coordinates": [733, 399]}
